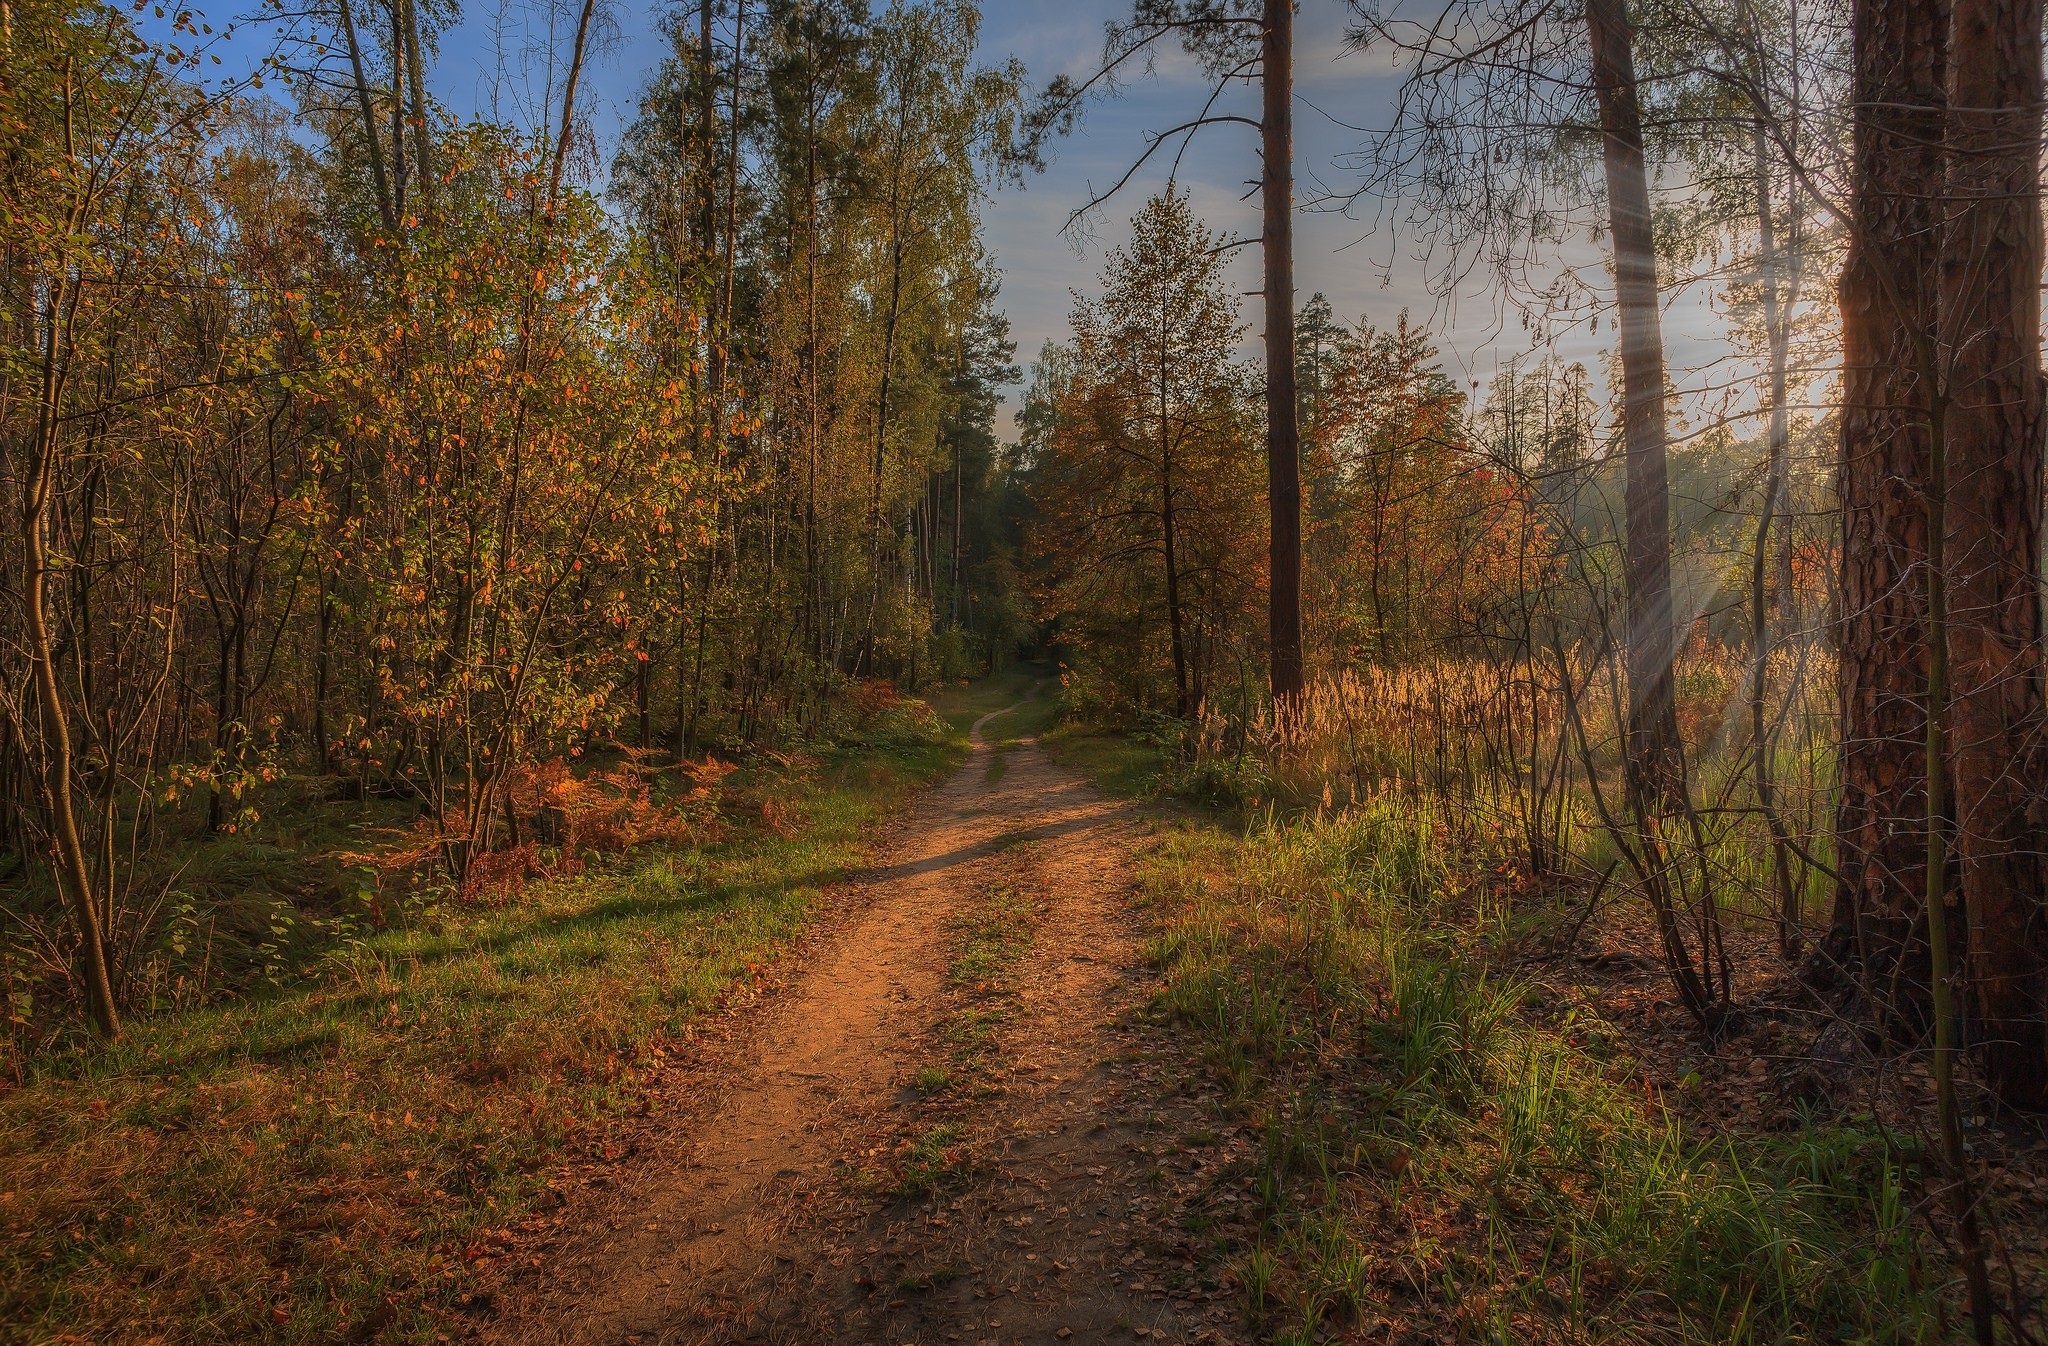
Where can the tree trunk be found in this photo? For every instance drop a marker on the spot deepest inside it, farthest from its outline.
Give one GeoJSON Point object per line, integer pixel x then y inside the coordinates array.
{"type": "Point", "coordinates": [1990, 344]}
{"type": "Point", "coordinates": [814, 584]}
{"type": "Point", "coordinates": [415, 73]}
{"type": "Point", "coordinates": [73, 875]}
{"type": "Point", "coordinates": [1182, 705]}
{"type": "Point", "coordinates": [399, 177]}
{"type": "Point", "coordinates": [1887, 297]}
{"type": "Point", "coordinates": [1779, 299]}
{"type": "Point", "coordinates": [1651, 737]}
{"type": "Point", "coordinates": [1283, 430]}
{"type": "Point", "coordinates": [385, 209]}
{"type": "Point", "coordinates": [866, 659]}
{"type": "Point", "coordinates": [959, 538]}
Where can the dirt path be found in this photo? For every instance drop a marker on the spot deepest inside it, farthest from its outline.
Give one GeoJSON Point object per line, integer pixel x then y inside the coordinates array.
{"type": "Point", "coordinates": [1039, 1186]}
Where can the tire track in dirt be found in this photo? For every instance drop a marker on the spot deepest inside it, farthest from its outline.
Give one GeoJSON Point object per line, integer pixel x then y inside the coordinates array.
{"type": "Point", "coordinates": [737, 1221]}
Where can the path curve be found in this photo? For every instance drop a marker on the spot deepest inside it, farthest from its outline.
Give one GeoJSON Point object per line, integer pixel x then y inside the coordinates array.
{"type": "Point", "coordinates": [743, 1219]}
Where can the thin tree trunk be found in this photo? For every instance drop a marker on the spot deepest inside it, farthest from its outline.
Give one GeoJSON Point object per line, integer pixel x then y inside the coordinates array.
{"type": "Point", "coordinates": [959, 536]}
{"type": "Point", "coordinates": [1283, 430]}
{"type": "Point", "coordinates": [1776, 305]}
{"type": "Point", "coordinates": [569, 103]}
{"type": "Point", "coordinates": [415, 71]}
{"type": "Point", "coordinates": [1169, 543]}
{"type": "Point", "coordinates": [74, 877]}
{"type": "Point", "coordinates": [1954, 1159]}
{"type": "Point", "coordinates": [1652, 732]}
{"type": "Point", "coordinates": [1990, 343]}
{"type": "Point", "coordinates": [814, 592]}
{"type": "Point", "coordinates": [399, 175]}
{"type": "Point", "coordinates": [722, 335]}
{"type": "Point", "coordinates": [867, 651]}
{"type": "Point", "coordinates": [385, 209]}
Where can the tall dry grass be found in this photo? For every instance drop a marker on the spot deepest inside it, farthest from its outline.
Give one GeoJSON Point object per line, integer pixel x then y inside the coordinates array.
{"type": "Point", "coordinates": [1494, 744]}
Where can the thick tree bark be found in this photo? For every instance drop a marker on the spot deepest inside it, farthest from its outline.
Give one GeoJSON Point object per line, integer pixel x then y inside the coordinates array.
{"type": "Point", "coordinates": [1888, 299]}
{"type": "Point", "coordinates": [1990, 347]}
{"type": "Point", "coordinates": [1655, 764]}
{"type": "Point", "coordinates": [1283, 430]}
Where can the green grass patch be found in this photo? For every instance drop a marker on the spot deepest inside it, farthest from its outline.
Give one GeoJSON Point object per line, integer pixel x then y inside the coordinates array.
{"type": "Point", "coordinates": [1428, 1149]}
{"type": "Point", "coordinates": [323, 1162]}
{"type": "Point", "coordinates": [960, 704]}
{"type": "Point", "coordinates": [995, 932]}
{"type": "Point", "coordinates": [997, 928]}
{"type": "Point", "coordinates": [936, 1162]}
{"type": "Point", "coordinates": [1121, 764]}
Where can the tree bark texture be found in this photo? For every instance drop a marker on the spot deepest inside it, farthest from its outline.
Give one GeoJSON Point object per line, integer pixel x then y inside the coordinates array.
{"type": "Point", "coordinates": [1655, 765]}
{"type": "Point", "coordinates": [1990, 347]}
{"type": "Point", "coordinates": [1283, 429]}
{"type": "Point", "coordinates": [1888, 296]}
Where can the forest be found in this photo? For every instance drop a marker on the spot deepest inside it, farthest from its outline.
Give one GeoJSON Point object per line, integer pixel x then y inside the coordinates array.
{"type": "Point", "coordinates": [589, 753]}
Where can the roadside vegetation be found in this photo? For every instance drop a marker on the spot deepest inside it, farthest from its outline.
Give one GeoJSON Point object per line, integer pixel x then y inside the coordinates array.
{"type": "Point", "coordinates": [321, 1158]}
{"type": "Point", "coordinates": [1482, 1115]}
{"type": "Point", "coordinates": [1455, 1133]}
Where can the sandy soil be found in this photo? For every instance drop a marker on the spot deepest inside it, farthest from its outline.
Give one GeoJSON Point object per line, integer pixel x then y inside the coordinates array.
{"type": "Point", "coordinates": [1091, 1187]}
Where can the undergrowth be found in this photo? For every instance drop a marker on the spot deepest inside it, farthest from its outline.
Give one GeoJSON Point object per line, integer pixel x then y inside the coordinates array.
{"type": "Point", "coordinates": [1435, 1156]}
{"type": "Point", "coordinates": [320, 1159]}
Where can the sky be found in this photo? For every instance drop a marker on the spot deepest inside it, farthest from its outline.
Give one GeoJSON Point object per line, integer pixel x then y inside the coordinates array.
{"type": "Point", "coordinates": [1366, 272]}
{"type": "Point", "coordinates": [1367, 269]}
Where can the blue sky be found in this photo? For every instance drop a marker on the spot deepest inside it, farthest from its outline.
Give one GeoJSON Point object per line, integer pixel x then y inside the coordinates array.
{"type": "Point", "coordinates": [1041, 264]}
{"type": "Point", "coordinates": [1367, 272]}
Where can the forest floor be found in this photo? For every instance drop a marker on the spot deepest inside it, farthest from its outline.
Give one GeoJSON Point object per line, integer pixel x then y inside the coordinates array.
{"type": "Point", "coordinates": [1010, 1058]}
{"type": "Point", "coordinates": [954, 1120]}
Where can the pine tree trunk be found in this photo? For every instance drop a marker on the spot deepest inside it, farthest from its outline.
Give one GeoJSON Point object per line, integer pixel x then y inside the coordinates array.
{"type": "Point", "coordinates": [1990, 343]}
{"type": "Point", "coordinates": [1283, 432]}
{"type": "Point", "coordinates": [1887, 297]}
{"type": "Point", "coordinates": [415, 74]}
{"type": "Point", "coordinates": [385, 210]}
{"type": "Point", "coordinates": [1652, 746]}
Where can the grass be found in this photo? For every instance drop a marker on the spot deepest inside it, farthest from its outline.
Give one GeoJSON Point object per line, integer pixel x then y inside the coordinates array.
{"type": "Point", "coordinates": [995, 933]}
{"type": "Point", "coordinates": [936, 1161]}
{"type": "Point", "coordinates": [1430, 1152]}
{"type": "Point", "coordinates": [1121, 764]}
{"type": "Point", "coordinates": [1020, 692]}
{"type": "Point", "coordinates": [961, 704]}
{"type": "Point", "coordinates": [323, 1161]}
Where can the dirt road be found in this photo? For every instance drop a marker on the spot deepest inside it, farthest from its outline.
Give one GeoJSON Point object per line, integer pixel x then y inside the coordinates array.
{"type": "Point", "coordinates": [951, 1123]}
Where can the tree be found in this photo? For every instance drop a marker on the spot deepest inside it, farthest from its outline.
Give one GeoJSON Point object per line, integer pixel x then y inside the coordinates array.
{"type": "Point", "coordinates": [1888, 302]}
{"type": "Point", "coordinates": [1143, 462]}
{"type": "Point", "coordinates": [1986, 516]}
{"type": "Point", "coordinates": [1655, 760]}
{"type": "Point", "coordinates": [1413, 531]}
{"type": "Point", "coordinates": [1234, 39]}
